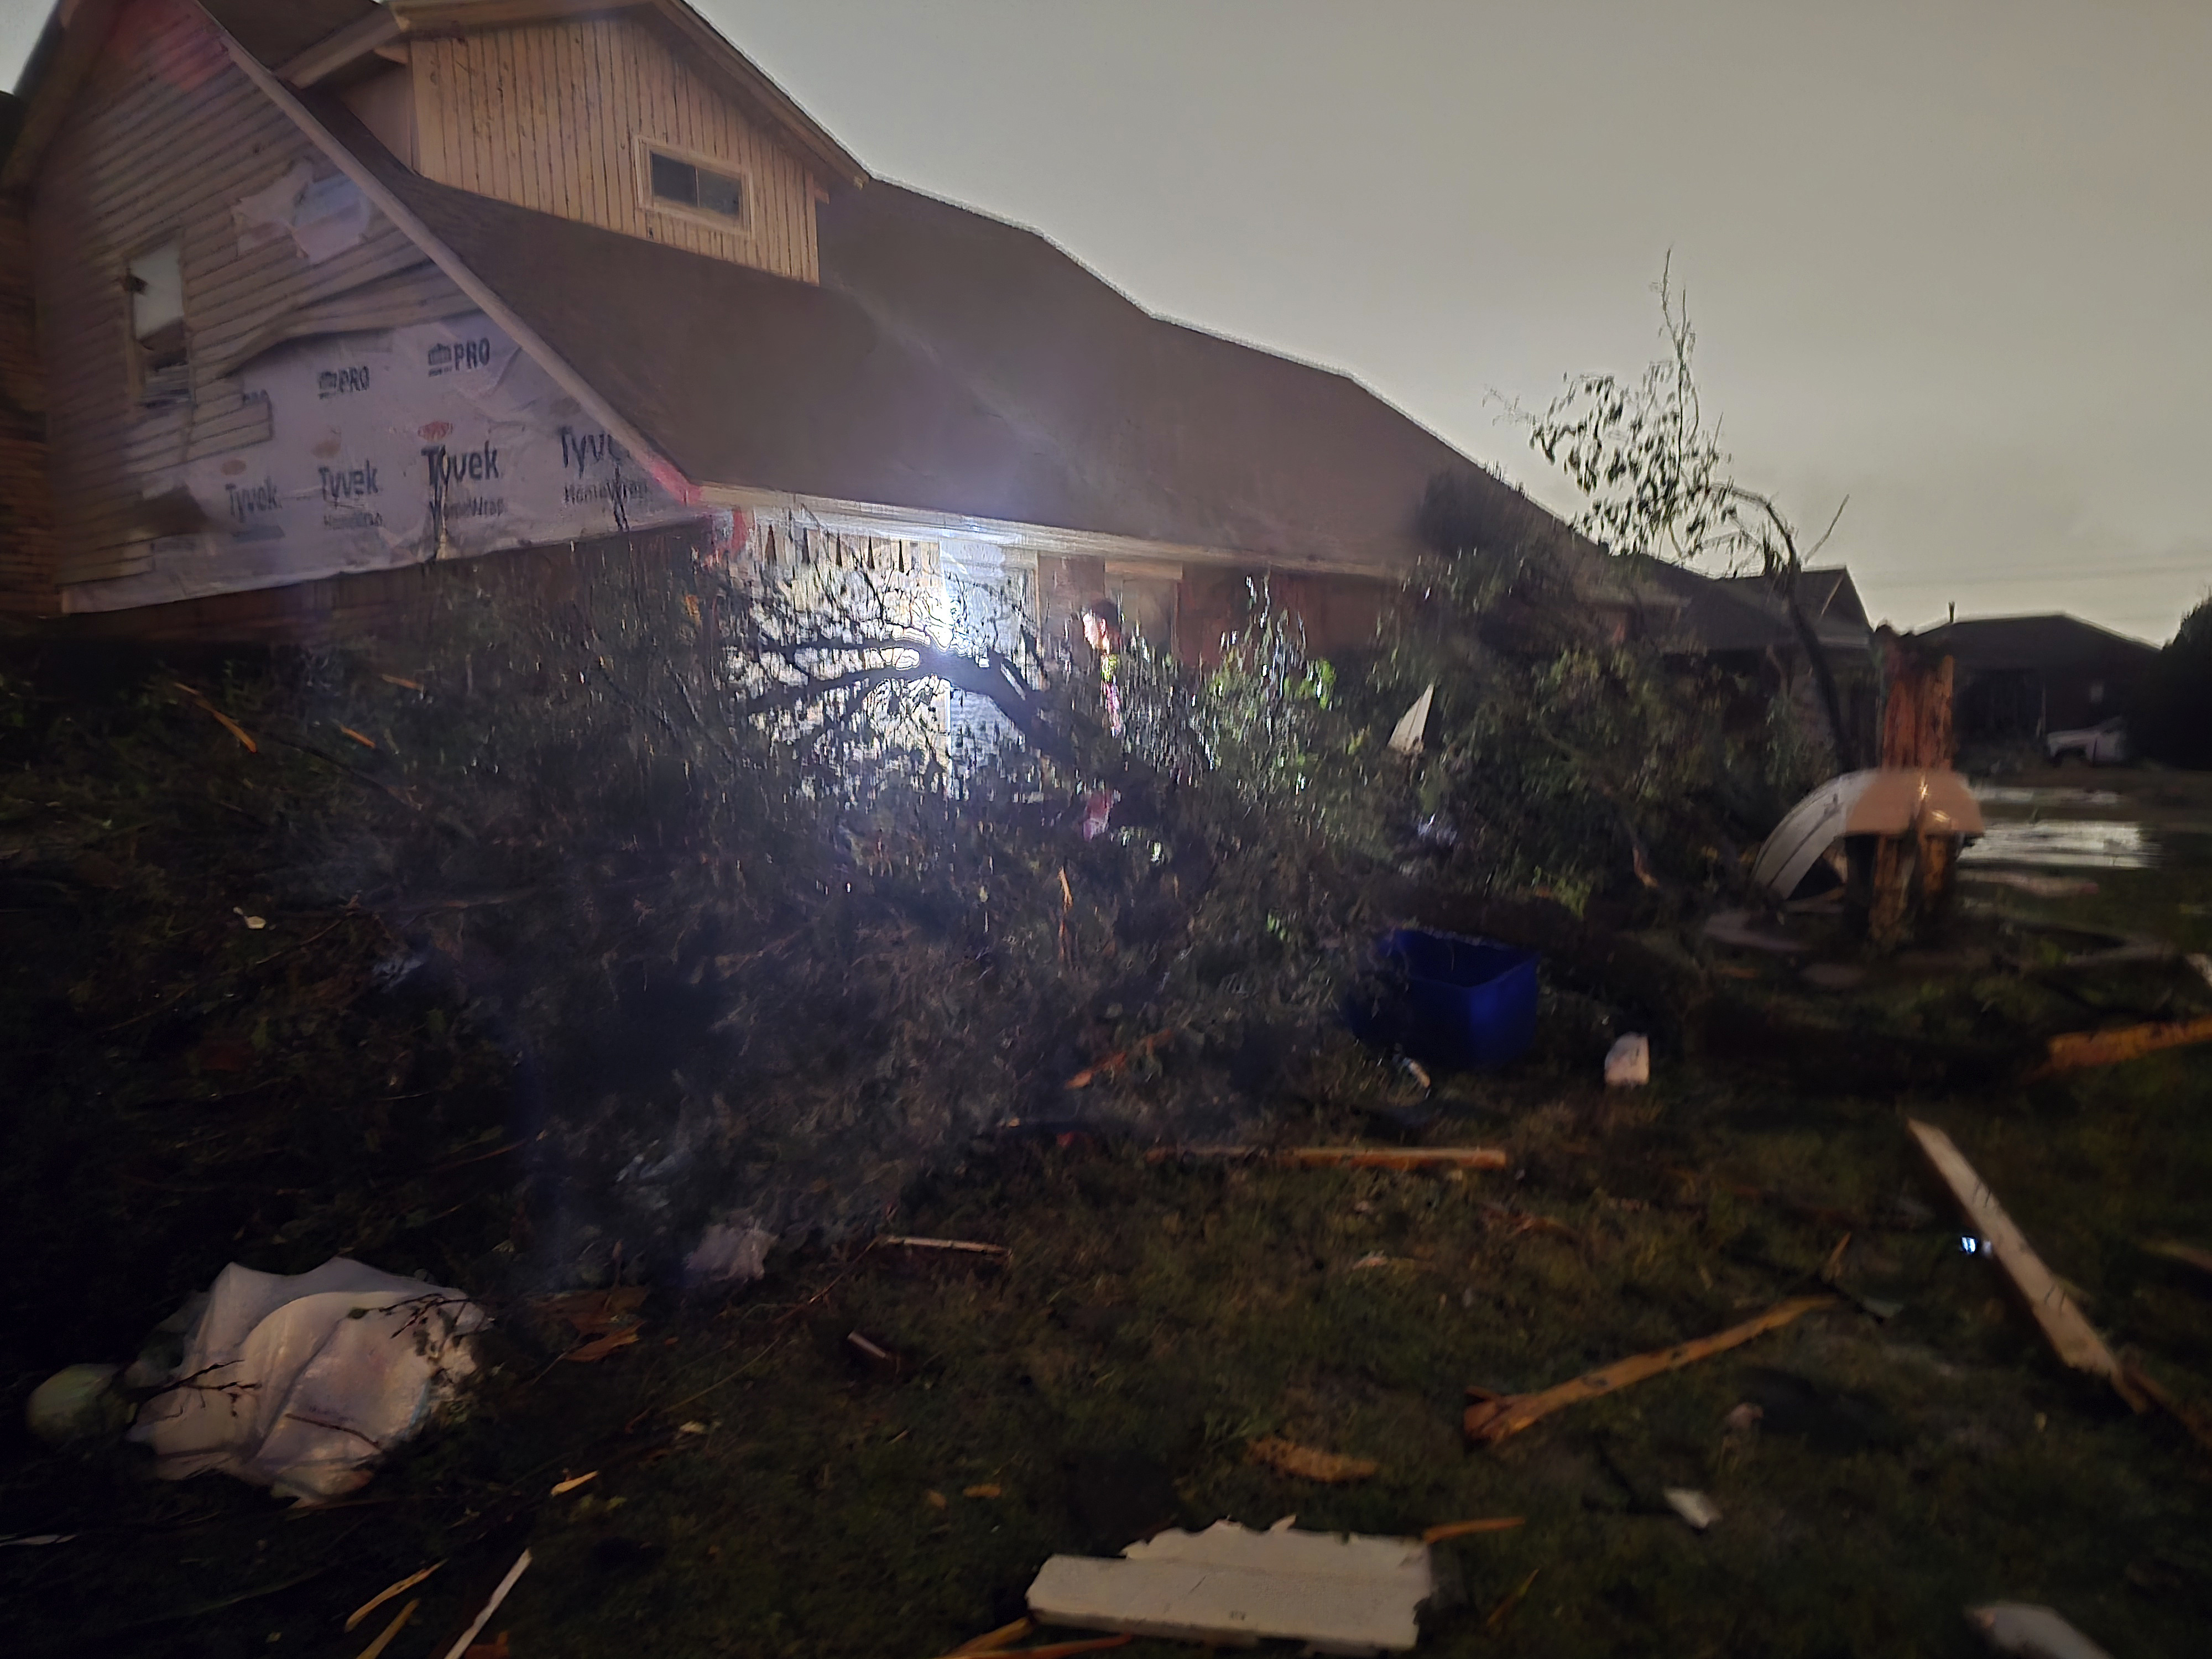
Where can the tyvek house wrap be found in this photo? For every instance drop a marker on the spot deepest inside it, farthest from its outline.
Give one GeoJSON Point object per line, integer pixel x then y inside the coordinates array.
{"type": "Point", "coordinates": [436, 440]}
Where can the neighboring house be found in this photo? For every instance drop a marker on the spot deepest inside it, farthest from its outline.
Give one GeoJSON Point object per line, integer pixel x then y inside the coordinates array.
{"type": "Point", "coordinates": [2018, 677]}
{"type": "Point", "coordinates": [1741, 624]}
{"type": "Point", "coordinates": [328, 292]}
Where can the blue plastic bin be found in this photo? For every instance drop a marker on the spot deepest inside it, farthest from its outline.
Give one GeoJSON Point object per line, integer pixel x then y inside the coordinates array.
{"type": "Point", "coordinates": [1458, 1003]}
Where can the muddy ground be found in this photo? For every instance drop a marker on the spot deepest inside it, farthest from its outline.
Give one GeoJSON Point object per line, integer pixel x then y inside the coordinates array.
{"type": "Point", "coordinates": [763, 1487]}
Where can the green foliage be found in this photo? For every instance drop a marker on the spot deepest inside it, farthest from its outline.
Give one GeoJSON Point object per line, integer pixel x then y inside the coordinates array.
{"type": "Point", "coordinates": [2172, 716]}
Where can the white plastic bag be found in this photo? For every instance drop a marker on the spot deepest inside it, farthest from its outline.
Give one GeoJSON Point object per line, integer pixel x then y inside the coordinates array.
{"type": "Point", "coordinates": [300, 1384]}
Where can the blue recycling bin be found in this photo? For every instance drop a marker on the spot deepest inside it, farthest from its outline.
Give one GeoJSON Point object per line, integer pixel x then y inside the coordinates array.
{"type": "Point", "coordinates": [1458, 1004]}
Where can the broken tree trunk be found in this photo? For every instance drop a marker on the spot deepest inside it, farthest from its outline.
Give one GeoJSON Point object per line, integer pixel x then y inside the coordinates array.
{"type": "Point", "coordinates": [1912, 872]}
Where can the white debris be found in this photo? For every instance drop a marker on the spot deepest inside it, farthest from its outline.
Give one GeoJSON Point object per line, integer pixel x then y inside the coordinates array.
{"type": "Point", "coordinates": [1628, 1062]}
{"type": "Point", "coordinates": [300, 1384]}
{"type": "Point", "coordinates": [734, 1252]}
{"type": "Point", "coordinates": [1338, 1593]}
{"type": "Point", "coordinates": [2031, 1632]}
{"type": "Point", "coordinates": [1405, 737]}
{"type": "Point", "coordinates": [1694, 1507]}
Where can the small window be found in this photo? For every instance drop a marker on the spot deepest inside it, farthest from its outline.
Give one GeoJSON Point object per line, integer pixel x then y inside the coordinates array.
{"type": "Point", "coordinates": [155, 282]}
{"type": "Point", "coordinates": [678, 183]}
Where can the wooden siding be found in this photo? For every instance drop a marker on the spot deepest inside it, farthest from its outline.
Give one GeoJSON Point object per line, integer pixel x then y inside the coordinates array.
{"type": "Point", "coordinates": [165, 137]}
{"type": "Point", "coordinates": [548, 116]}
{"type": "Point", "coordinates": [27, 550]}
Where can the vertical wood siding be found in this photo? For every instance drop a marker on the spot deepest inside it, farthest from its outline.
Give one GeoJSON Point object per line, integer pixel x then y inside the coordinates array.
{"type": "Point", "coordinates": [165, 137]}
{"type": "Point", "coordinates": [27, 571]}
{"type": "Point", "coordinates": [548, 116]}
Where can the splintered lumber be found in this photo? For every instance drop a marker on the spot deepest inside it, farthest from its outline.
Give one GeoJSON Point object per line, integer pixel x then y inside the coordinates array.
{"type": "Point", "coordinates": [1341, 1158]}
{"type": "Point", "coordinates": [388, 1592]}
{"type": "Point", "coordinates": [1393, 1157]}
{"type": "Point", "coordinates": [2174, 1250]}
{"type": "Point", "coordinates": [2077, 1050]}
{"type": "Point", "coordinates": [498, 1596]}
{"type": "Point", "coordinates": [1288, 1457]}
{"type": "Point", "coordinates": [2070, 1335]}
{"type": "Point", "coordinates": [962, 1245]}
{"type": "Point", "coordinates": [1336, 1593]}
{"type": "Point", "coordinates": [1491, 1421]}
{"type": "Point", "coordinates": [1451, 1529]}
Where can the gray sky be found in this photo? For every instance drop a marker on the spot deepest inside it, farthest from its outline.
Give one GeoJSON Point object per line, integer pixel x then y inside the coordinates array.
{"type": "Point", "coordinates": [1954, 259]}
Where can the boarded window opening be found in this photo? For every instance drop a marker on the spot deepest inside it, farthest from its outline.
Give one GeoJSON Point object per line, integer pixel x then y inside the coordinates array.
{"type": "Point", "coordinates": [155, 282]}
{"type": "Point", "coordinates": [676, 182]}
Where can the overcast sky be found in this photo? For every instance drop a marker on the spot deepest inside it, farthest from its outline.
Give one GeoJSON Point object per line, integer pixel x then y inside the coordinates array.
{"type": "Point", "coordinates": [1951, 259]}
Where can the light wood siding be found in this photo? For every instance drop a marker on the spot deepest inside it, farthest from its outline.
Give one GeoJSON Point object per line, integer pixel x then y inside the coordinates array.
{"type": "Point", "coordinates": [549, 117]}
{"type": "Point", "coordinates": [164, 137]}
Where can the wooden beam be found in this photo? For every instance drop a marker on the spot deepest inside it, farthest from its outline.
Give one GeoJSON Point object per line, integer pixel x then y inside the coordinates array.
{"type": "Point", "coordinates": [361, 38]}
{"type": "Point", "coordinates": [2070, 1334]}
{"type": "Point", "coordinates": [431, 17]}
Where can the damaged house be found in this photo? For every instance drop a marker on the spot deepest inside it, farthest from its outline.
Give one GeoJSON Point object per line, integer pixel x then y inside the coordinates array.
{"type": "Point", "coordinates": [330, 293]}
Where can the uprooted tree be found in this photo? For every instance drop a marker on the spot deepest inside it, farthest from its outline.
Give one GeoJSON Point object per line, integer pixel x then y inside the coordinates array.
{"type": "Point", "coordinates": [1658, 481]}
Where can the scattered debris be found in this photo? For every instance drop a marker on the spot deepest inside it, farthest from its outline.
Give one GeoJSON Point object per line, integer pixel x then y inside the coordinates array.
{"type": "Point", "coordinates": [354, 1618]}
{"type": "Point", "coordinates": [1287, 1458]}
{"type": "Point", "coordinates": [1834, 975]}
{"type": "Point", "coordinates": [988, 1490]}
{"type": "Point", "coordinates": [1694, 1507]}
{"type": "Point", "coordinates": [225, 720]}
{"type": "Point", "coordinates": [991, 1641]}
{"type": "Point", "coordinates": [560, 1488]}
{"type": "Point", "coordinates": [1494, 1417]}
{"type": "Point", "coordinates": [1451, 1529]}
{"type": "Point", "coordinates": [521, 1565]}
{"type": "Point", "coordinates": [733, 1252]}
{"type": "Point", "coordinates": [300, 1384]}
{"type": "Point", "coordinates": [2198, 1421]}
{"type": "Point", "coordinates": [2076, 1050]}
{"type": "Point", "coordinates": [1890, 800]}
{"type": "Point", "coordinates": [2175, 1251]}
{"type": "Point", "coordinates": [1735, 928]}
{"type": "Point", "coordinates": [960, 1244]}
{"type": "Point", "coordinates": [1395, 1157]}
{"type": "Point", "coordinates": [1405, 736]}
{"type": "Point", "coordinates": [361, 739]}
{"type": "Point", "coordinates": [2070, 1335]}
{"type": "Point", "coordinates": [936, 1499]}
{"type": "Point", "coordinates": [2034, 886]}
{"type": "Point", "coordinates": [874, 1353]}
{"type": "Point", "coordinates": [2030, 1632]}
{"type": "Point", "coordinates": [1120, 1060]}
{"type": "Point", "coordinates": [78, 1402]}
{"type": "Point", "coordinates": [1628, 1062]}
{"type": "Point", "coordinates": [2202, 963]}
{"type": "Point", "coordinates": [1504, 1610]}
{"type": "Point", "coordinates": [399, 1623]}
{"type": "Point", "coordinates": [1340, 1593]}
{"type": "Point", "coordinates": [600, 1346]}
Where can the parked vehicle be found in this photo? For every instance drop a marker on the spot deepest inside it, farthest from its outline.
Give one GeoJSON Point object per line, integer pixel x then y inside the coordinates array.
{"type": "Point", "coordinates": [2104, 744]}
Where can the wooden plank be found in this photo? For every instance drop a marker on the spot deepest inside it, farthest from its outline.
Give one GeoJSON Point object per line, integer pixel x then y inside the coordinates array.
{"type": "Point", "coordinates": [1339, 1593]}
{"type": "Point", "coordinates": [426, 64]}
{"type": "Point", "coordinates": [2064, 1327]}
{"type": "Point", "coordinates": [1494, 1419]}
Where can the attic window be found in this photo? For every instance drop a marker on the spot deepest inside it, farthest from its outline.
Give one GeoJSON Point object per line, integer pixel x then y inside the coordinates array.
{"type": "Point", "coordinates": [160, 373]}
{"type": "Point", "coordinates": [679, 183]}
